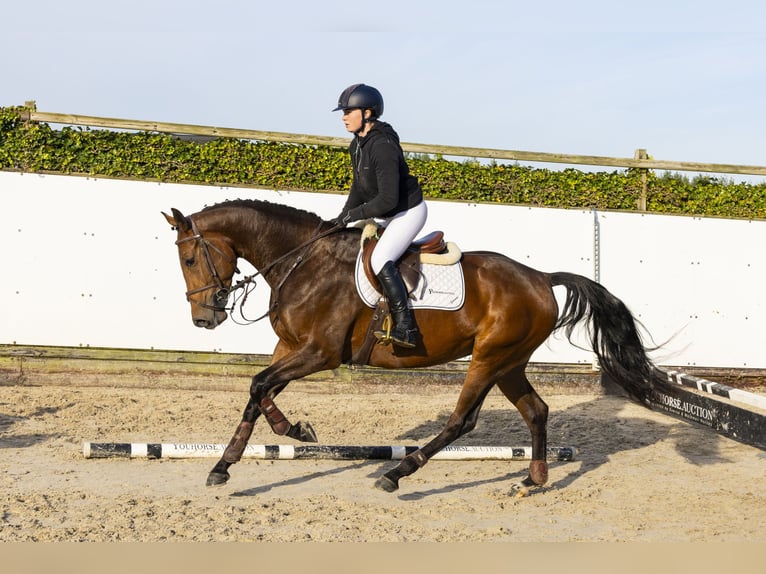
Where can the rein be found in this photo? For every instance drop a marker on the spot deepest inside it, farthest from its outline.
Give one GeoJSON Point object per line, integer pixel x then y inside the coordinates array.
{"type": "Point", "coordinates": [221, 296]}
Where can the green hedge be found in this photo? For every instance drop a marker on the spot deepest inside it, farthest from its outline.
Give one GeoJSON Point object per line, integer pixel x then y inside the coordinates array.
{"type": "Point", "coordinates": [36, 147]}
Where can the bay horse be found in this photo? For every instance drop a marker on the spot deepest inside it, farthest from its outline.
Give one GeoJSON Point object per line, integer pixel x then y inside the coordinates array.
{"type": "Point", "coordinates": [320, 320]}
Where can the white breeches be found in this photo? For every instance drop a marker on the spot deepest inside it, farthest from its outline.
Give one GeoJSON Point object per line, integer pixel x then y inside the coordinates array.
{"type": "Point", "coordinates": [401, 230]}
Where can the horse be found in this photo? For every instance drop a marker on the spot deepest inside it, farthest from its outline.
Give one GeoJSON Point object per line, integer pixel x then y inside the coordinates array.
{"type": "Point", "coordinates": [321, 321]}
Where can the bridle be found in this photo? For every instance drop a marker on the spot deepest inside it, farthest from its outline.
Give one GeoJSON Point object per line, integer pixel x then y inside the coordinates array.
{"type": "Point", "coordinates": [221, 296]}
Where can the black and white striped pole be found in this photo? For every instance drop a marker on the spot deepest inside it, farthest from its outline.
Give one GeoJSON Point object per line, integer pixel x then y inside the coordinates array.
{"type": "Point", "coordinates": [316, 452]}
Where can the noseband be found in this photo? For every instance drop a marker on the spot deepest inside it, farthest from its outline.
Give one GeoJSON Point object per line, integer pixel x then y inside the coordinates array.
{"type": "Point", "coordinates": [222, 295]}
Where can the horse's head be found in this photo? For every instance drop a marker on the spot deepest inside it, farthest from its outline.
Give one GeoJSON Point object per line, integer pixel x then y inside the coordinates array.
{"type": "Point", "coordinates": [208, 265]}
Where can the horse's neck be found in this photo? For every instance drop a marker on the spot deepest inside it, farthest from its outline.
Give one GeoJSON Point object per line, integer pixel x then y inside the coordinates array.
{"type": "Point", "coordinates": [263, 240]}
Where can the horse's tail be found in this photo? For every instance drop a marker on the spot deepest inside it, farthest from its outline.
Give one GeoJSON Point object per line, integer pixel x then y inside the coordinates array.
{"type": "Point", "coordinates": [613, 333]}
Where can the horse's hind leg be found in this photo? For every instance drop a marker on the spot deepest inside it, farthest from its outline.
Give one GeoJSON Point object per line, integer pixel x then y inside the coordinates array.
{"type": "Point", "coordinates": [534, 411]}
{"type": "Point", "coordinates": [462, 421]}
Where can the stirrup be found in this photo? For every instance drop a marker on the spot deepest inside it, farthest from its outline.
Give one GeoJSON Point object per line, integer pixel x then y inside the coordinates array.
{"type": "Point", "coordinates": [383, 335]}
{"type": "Point", "coordinates": [398, 336]}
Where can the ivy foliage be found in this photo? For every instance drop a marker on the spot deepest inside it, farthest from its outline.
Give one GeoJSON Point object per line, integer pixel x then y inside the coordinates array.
{"type": "Point", "coordinates": [36, 147]}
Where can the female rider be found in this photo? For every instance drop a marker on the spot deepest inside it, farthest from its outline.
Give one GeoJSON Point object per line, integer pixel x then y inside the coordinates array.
{"type": "Point", "coordinates": [382, 189]}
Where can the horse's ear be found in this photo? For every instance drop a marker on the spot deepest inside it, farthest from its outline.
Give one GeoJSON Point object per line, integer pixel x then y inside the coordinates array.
{"type": "Point", "coordinates": [177, 220]}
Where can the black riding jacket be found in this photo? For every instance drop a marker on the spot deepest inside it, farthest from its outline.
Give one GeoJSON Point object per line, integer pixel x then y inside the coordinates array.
{"type": "Point", "coordinates": [382, 184]}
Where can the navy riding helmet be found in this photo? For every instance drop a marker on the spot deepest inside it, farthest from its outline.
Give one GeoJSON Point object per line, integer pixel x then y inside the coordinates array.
{"type": "Point", "coordinates": [363, 97]}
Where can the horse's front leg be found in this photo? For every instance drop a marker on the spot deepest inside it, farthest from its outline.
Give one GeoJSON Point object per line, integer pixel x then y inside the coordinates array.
{"type": "Point", "coordinates": [301, 431]}
{"type": "Point", "coordinates": [265, 387]}
{"type": "Point", "coordinates": [236, 447]}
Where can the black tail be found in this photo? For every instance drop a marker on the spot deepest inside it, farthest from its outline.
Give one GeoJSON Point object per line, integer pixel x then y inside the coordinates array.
{"type": "Point", "coordinates": [613, 333]}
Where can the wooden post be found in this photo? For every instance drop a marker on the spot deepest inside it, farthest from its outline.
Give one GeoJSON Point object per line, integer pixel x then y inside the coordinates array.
{"type": "Point", "coordinates": [25, 113]}
{"type": "Point", "coordinates": [641, 203]}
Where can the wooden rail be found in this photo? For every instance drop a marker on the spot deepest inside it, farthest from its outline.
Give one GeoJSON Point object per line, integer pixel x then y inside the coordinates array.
{"type": "Point", "coordinates": [640, 161]}
{"type": "Point", "coordinates": [87, 366]}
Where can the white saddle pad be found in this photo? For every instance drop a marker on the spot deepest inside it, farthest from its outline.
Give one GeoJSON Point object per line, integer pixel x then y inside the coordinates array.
{"type": "Point", "coordinates": [439, 287]}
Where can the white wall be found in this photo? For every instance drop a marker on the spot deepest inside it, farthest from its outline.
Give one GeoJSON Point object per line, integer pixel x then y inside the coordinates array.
{"type": "Point", "coordinates": [91, 262]}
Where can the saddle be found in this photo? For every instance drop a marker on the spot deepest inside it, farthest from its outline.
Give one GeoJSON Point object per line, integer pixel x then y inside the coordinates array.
{"type": "Point", "coordinates": [430, 249]}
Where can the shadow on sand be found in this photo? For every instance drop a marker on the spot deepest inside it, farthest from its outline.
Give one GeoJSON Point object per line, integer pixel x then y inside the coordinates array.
{"type": "Point", "coordinates": [595, 427]}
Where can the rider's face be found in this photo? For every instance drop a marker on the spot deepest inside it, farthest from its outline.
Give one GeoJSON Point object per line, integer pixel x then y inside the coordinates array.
{"type": "Point", "coordinates": [352, 119]}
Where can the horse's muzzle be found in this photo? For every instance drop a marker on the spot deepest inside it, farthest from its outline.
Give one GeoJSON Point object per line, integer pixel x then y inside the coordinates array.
{"type": "Point", "coordinates": [211, 320]}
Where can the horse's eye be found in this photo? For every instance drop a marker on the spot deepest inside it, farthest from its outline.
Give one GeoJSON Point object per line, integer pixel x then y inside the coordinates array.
{"type": "Point", "coordinates": [189, 262]}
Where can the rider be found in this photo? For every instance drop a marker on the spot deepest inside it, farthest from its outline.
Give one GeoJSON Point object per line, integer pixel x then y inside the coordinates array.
{"type": "Point", "coordinates": [383, 189]}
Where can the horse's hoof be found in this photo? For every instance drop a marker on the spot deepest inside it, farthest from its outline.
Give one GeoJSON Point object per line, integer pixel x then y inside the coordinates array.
{"type": "Point", "coordinates": [217, 478]}
{"type": "Point", "coordinates": [385, 483]}
{"type": "Point", "coordinates": [303, 431]}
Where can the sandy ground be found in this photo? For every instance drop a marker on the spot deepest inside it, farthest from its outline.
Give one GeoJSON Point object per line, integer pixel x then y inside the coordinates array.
{"type": "Point", "coordinates": [641, 475]}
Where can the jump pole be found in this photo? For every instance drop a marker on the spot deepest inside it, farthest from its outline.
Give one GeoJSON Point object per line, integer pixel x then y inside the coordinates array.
{"type": "Point", "coordinates": [731, 412]}
{"type": "Point", "coordinates": [718, 389]}
{"type": "Point", "coordinates": [317, 452]}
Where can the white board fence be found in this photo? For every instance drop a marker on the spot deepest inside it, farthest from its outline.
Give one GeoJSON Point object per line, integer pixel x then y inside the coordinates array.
{"type": "Point", "coordinates": [91, 262]}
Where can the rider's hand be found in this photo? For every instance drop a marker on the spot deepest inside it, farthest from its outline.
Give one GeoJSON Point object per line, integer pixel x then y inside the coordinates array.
{"type": "Point", "coordinates": [341, 221]}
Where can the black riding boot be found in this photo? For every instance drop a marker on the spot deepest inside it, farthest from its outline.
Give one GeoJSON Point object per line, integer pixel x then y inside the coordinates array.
{"type": "Point", "coordinates": [405, 330]}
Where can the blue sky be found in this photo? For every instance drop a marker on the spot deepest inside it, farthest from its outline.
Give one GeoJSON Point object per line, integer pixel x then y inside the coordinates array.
{"type": "Point", "coordinates": [685, 80]}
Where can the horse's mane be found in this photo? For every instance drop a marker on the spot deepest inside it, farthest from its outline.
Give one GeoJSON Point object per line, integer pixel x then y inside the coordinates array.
{"type": "Point", "coordinates": [277, 214]}
{"type": "Point", "coordinates": [276, 210]}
